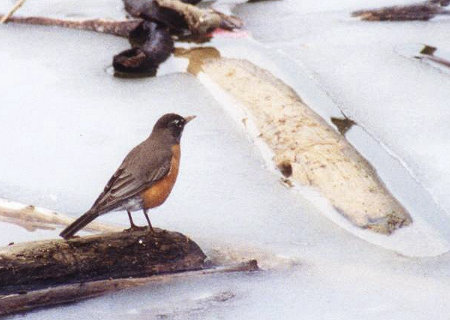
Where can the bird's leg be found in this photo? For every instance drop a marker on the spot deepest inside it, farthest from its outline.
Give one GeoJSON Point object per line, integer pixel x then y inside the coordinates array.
{"type": "Point", "coordinates": [133, 226]}
{"type": "Point", "coordinates": [148, 220]}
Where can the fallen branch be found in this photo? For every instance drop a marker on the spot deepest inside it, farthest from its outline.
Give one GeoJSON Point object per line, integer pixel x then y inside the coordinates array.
{"type": "Point", "coordinates": [422, 12]}
{"type": "Point", "coordinates": [157, 21]}
{"type": "Point", "coordinates": [201, 21]}
{"type": "Point", "coordinates": [15, 303]}
{"type": "Point", "coordinates": [32, 218]}
{"type": "Point", "coordinates": [18, 4]}
{"type": "Point", "coordinates": [37, 265]}
{"type": "Point", "coordinates": [118, 28]}
{"type": "Point", "coordinates": [304, 146]}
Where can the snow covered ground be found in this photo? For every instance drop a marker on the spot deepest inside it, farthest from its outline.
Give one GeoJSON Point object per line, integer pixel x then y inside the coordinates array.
{"type": "Point", "coordinates": [67, 123]}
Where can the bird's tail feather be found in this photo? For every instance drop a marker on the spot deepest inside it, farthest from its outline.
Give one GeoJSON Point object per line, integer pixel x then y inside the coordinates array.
{"type": "Point", "coordinates": [78, 224]}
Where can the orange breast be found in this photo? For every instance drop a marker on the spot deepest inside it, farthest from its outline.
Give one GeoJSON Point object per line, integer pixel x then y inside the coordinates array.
{"type": "Point", "coordinates": [158, 193]}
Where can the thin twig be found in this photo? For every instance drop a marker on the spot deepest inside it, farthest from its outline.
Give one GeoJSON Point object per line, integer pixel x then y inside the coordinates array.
{"type": "Point", "coordinates": [18, 4]}
{"type": "Point", "coordinates": [119, 28]}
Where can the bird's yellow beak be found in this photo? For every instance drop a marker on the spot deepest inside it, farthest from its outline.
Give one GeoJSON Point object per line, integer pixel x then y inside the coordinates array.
{"type": "Point", "coordinates": [189, 118]}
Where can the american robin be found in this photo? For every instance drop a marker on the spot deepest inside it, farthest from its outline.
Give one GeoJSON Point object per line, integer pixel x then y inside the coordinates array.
{"type": "Point", "coordinates": [145, 178]}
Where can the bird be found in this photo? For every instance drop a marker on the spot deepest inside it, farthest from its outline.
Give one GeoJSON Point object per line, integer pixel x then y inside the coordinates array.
{"type": "Point", "coordinates": [145, 178]}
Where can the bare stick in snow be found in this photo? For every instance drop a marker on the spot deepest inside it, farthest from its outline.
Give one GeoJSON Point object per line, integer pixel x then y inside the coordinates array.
{"type": "Point", "coordinates": [119, 28]}
{"type": "Point", "coordinates": [201, 21]}
{"type": "Point", "coordinates": [421, 11]}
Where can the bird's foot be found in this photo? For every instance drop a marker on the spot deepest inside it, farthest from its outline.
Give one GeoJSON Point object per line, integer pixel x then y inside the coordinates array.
{"type": "Point", "coordinates": [73, 237]}
{"type": "Point", "coordinates": [135, 228]}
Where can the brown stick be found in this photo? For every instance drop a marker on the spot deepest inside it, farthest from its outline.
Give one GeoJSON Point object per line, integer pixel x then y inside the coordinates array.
{"type": "Point", "coordinates": [422, 12]}
{"type": "Point", "coordinates": [118, 28]}
{"type": "Point", "coordinates": [15, 303]}
{"type": "Point", "coordinates": [201, 21]}
{"type": "Point", "coordinates": [18, 4]}
{"type": "Point", "coordinates": [439, 60]}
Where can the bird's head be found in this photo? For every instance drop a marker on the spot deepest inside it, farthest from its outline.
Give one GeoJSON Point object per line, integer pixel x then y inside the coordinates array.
{"type": "Point", "coordinates": [172, 125]}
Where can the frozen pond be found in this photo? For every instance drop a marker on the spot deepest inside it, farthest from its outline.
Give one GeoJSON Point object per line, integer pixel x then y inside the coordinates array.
{"type": "Point", "coordinates": [67, 123]}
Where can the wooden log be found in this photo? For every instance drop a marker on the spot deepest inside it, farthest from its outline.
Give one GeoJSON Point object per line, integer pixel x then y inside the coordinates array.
{"type": "Point", "coordinates": [299, 142]}
{"type": "Point", "coordinates": [15, 303]}
{"type": "Point", "coordinates": [36, 265]}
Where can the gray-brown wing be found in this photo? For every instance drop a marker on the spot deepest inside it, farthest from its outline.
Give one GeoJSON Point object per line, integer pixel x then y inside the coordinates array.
{"type": "Point", "coordinates": [132, 177]}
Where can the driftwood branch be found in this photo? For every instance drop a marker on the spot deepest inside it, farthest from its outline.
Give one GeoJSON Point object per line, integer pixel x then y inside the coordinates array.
{"type": "Point", "coordinates": [18, 4]}
{"type": "Point", "coordinates": [421, 11]}
{"type": "Point", "coordinates": [200, 21]}
{"type": "Point", "coordinates": [118, 28]}
{"type": "Point", "coordinates": [157, 21]}
{"type": "Point", "coordinates": [15, 303]}
{"type": "Point", "coordinates": [305, 148]}
{"type": "Point", "coordinates": [32, 218]}
{"type": "Point", "coordinates": [52, 272]}
{"type": "Point", "coordinates": [35, 265]}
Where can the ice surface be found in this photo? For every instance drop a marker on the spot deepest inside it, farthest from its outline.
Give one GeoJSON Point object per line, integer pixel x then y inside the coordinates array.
{"type": "Point", "coordinates": [67, 123]}
{"type": "Point", "coordinates": [82, 9]}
